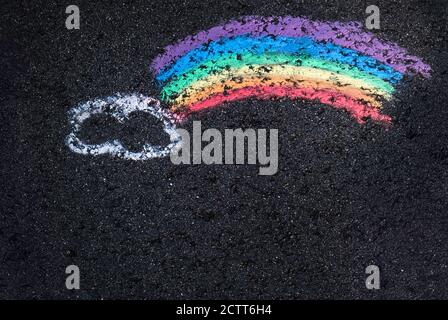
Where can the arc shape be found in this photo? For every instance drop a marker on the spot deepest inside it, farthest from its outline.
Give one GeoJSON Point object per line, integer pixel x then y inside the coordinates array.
{"type": "Point", "coordinates": [269, 45]}
{"type": "Point", "coordinates": [284, 52]}
{"type": "Point", "coordinates": [232, 61]}
{"type": "Point", "coordinates": [357, 109]}
{"type": "Point", "coordinates": [346, 34]}
{"type": "Point", "coordinates": [278, 76]}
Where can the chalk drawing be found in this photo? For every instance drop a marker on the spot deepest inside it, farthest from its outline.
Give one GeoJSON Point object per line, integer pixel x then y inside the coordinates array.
{"type": "Point", "coordinates": [336, 63]}
{"type": "Point", "coordinates": [120, 107]}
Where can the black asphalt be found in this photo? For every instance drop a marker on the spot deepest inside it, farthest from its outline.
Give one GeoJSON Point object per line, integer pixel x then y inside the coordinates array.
{"type": "Point", "coordinates": [346, 196]}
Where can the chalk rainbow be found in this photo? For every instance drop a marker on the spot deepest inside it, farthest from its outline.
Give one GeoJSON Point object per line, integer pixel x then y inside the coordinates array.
{"type": "Point", "coordinates": [335, 63]}
{"type": "Point", "coordinates": [338, 64]}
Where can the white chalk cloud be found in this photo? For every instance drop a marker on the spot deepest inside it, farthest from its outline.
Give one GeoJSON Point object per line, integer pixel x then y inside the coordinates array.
{"type": "Point", "coordinates": [120, 107]}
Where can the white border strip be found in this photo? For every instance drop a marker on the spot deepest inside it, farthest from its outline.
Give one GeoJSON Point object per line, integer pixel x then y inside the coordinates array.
{"type": "Point", "coordinates": [120, 107]}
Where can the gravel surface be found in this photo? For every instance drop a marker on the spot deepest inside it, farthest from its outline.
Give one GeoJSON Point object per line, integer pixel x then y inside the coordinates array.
{"type": "Point", "coordinates": [346, 195]}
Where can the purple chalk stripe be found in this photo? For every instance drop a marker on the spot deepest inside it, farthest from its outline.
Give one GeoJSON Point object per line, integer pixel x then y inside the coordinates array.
{"type": "Point", "coordinates": [349, 35]}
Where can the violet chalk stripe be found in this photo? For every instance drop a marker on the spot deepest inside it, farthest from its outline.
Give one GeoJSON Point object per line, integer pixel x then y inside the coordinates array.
{"type": "Point", "coordinates": [348, 34]}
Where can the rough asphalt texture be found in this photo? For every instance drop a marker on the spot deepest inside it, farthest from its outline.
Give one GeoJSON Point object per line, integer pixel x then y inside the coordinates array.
{"type": "Point", "coordinates": [346, 196]}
